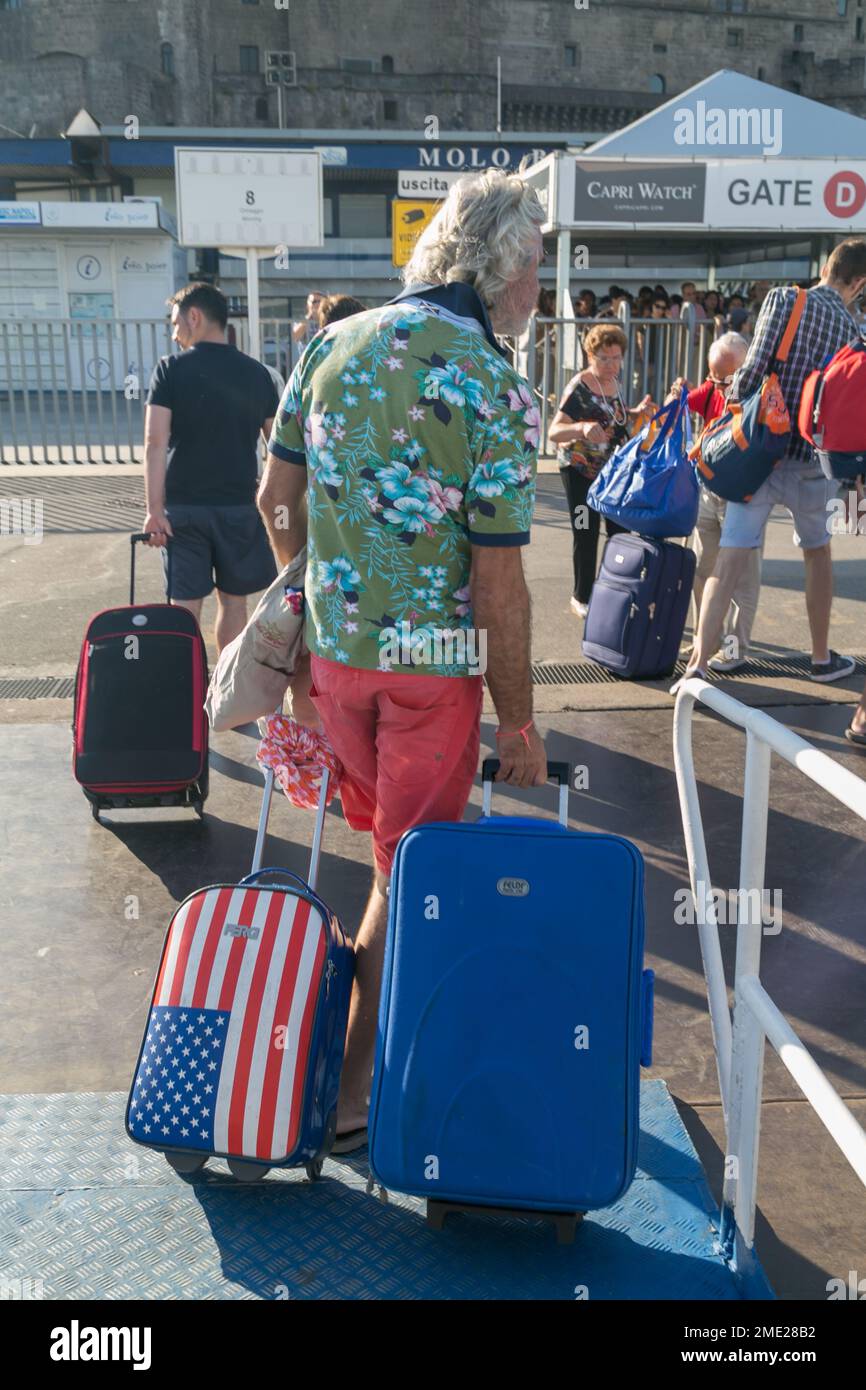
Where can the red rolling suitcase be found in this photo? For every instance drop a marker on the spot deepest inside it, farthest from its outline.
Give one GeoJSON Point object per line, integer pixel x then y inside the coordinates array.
{"type": "Point", "coordinates": [140, 733]}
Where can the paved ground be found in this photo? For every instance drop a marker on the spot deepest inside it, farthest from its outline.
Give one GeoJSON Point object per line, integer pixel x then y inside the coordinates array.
{"type": "Point", "coordinates": [85, 907]}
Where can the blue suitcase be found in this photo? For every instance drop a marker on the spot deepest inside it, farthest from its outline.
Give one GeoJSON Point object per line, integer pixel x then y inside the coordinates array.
{"type": "Point", "coordinates": [514, 1015]}
{"type": "Point", "coordinates": [639, 604]}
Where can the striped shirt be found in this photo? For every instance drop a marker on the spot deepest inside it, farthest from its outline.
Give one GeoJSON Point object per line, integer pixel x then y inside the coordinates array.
{"type": "Point", "coordinates": [826, 326]}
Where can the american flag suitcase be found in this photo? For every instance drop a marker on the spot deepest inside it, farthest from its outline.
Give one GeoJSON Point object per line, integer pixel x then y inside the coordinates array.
{"type": "Point", "coordinates": [243, 1048]}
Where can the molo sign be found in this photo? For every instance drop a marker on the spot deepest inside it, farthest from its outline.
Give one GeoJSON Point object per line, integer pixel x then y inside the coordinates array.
{"type": "Point", "coordinates": [794, 195]}
{"type": "Point", "coordinates": [467, 157]}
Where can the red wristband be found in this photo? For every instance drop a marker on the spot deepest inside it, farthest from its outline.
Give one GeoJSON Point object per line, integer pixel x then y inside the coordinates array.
{"type": "Point", "coordinates": [522, 732]}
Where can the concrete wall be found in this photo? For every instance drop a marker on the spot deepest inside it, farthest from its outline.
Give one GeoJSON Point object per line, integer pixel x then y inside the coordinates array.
{"type": "Point", "coordinates": [57, 55]}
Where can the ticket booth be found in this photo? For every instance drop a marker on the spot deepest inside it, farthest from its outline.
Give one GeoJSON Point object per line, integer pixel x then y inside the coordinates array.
{"type": "Point", "coordinates": [85, 293]}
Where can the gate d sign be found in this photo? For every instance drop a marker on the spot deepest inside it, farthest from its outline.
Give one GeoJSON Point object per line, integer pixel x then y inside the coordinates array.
{"type": "Point", "coordinates": [845, 195]}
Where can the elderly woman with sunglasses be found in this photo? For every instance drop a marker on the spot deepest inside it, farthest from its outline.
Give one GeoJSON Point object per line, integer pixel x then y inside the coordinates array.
{"type": "Point", "coordinates": [591, 422]}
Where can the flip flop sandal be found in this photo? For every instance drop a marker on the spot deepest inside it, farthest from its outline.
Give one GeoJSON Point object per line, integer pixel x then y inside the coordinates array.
{"type": "Point", "coordinates": [349, 1142]}
{"type": "Point", "coordinates": [853, 737]}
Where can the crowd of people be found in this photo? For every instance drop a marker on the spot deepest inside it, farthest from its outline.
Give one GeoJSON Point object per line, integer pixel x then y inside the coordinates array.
{"type": "Point", "coordinates": [736, 312]}
{"type": "Point", "coordinates": [402, 455]}
{"type": "Point", "coordinates": [592, 421]}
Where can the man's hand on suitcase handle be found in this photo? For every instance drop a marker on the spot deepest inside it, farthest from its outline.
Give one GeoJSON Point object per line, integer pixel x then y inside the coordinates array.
{"type": "Point", "coordinates": [159, 527]}
{"type": "Point", "coordinates": [522, 759]}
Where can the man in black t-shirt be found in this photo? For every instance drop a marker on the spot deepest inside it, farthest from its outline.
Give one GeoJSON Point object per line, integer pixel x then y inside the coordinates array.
{"type": "Point", "coordinates": [205, 411]}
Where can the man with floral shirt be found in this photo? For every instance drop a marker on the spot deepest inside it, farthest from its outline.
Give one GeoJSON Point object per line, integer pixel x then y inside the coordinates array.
{"type": "Point", "coordinates": [404, 454]}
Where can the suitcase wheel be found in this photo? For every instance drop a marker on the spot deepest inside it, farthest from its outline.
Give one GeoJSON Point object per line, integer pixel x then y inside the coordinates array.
{"type": "Point", "coordinates": [314, 1169]}
{"type": "Point", "coordinates": [198, 807]}
{"type": "Point", "coordinates": [371, 1190]}
{"type": "Point", "coordinates": [247, 1172]}
{"type": "Point", "coordinates": [186, 1162]}
{"type": "Point", "coordinates": [94, 811]}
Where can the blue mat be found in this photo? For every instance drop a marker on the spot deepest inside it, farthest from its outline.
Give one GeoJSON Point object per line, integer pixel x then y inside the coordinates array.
{"type": "Point", "coordinates": [93, 1216]}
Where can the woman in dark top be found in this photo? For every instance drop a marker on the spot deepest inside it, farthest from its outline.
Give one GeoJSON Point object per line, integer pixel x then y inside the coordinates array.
{"type": "Point", "coordinates": [592, 421]}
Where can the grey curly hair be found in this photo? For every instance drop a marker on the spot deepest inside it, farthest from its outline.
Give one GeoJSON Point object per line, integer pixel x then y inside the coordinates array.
{"type": "Point", "coordinates": [482, 235]}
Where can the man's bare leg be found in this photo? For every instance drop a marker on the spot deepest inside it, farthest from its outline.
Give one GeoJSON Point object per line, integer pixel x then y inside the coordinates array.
{"type": "Point", "coordinates": [303, 710]}
{"type": "Point", "coordinates": [192, 605]}
{"type": "Point", "coordinates": [353, 1101]}
{"type": "Point", "coordinates": [231, 618]}
{"type": "Point", "coordinates": [718, 591]}
{"type": "Point", "coordinates": [745, 603]}
{"type": "Point", "coordinates": [819, 598]}
{"type": "Point", "coordinates": [858, 719]}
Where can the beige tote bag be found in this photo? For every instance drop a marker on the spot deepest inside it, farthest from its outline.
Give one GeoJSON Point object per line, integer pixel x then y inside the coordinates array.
{"type": "Point", "coordinates": [253, 672]}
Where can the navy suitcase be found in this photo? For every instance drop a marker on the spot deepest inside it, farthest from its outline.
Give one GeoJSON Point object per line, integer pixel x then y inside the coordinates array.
{"type": "Point", "coordinates": [514, 1015]}
{"type": "Point", "coordinates": [639, 604]}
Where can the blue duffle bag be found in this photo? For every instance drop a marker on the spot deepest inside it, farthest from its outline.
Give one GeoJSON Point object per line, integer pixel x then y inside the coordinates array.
{"type": "Point", "coordinates": [649, 484]}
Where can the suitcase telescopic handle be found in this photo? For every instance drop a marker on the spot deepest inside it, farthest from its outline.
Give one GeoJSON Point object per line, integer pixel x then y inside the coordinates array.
{"type": "Point", "coordinates": [556, 772]}
{"type": "Point", "coordinates": [138, 536]}
{"type": "Point", "coordinates": [275, 873]}
{"type": "Point", "coordinates": [264, 815]}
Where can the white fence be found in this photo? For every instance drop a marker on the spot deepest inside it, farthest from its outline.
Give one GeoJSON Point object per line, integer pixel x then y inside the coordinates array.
{"type": "Point", "coordinates": [657, 352]}
{"type": "Point", "coordinates": [75, 391]}
{"type": "Point", "coordinates": [739, 1045]}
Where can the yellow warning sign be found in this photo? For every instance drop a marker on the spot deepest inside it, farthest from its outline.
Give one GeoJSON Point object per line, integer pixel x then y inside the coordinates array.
{"type": "Point", "coordinates": [409, 217]}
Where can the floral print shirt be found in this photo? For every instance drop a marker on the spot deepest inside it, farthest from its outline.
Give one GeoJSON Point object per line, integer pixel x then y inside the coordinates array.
{"type": "Point", "coordinates": [580, 403]}
{"type": "Point", "coordinates": [419, 440]}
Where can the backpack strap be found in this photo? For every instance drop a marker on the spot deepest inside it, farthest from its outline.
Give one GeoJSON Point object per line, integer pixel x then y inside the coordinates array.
{"type": "Point", "coordinates": [791, 330]}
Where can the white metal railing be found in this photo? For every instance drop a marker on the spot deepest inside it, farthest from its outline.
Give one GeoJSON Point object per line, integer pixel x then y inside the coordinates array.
{"type": "Point", "coordinates": [657, 352]}
{"type": "Point", "coordinates": [75, 390]}
{"type": "Point", "coordinates": [739, 1046]}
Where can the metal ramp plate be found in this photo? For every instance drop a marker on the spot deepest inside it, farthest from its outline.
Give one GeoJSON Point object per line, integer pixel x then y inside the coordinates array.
{"type": "Point", "coordinates": [93, 1216]}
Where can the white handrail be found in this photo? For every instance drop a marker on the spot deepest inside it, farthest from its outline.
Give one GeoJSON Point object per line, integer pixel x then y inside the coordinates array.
{"type": "Point", "coordinates": [808, 1075]}
{"type": "Point", "coordinates": [739, 1046]}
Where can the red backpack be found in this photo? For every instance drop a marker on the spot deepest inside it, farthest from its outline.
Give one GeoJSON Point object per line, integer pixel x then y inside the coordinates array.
{"type": "Point", "coordinates": [833, 412]}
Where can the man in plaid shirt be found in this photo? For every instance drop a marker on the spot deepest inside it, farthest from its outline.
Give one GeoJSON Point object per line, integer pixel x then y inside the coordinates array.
{"type": "Point", "coordinates": [797, 481]}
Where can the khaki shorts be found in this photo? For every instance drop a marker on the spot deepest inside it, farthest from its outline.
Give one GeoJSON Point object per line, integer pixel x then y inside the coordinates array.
{"type": "Point", "coordinates": [796, 484]}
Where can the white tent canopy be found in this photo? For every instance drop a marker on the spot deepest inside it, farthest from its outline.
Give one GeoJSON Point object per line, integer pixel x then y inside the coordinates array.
{"type": "Point", "coordinates": [804, 128]}
{"type": "Point", "coordinates": [725, 166]}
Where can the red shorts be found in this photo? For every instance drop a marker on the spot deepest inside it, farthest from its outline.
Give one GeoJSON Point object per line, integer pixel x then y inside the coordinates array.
{"type": "Point", "coordinates": [408, 744]}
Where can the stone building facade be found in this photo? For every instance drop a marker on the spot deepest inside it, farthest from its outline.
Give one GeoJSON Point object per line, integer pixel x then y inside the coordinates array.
{"type": "Point", "coordinates": [390, 65]}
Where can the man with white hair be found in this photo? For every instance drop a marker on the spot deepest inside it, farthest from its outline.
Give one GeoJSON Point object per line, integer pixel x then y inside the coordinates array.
{"type": "Point", "coordinates": [726, 355]}
{"type": "Point", "coordinates": [404, 452]}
